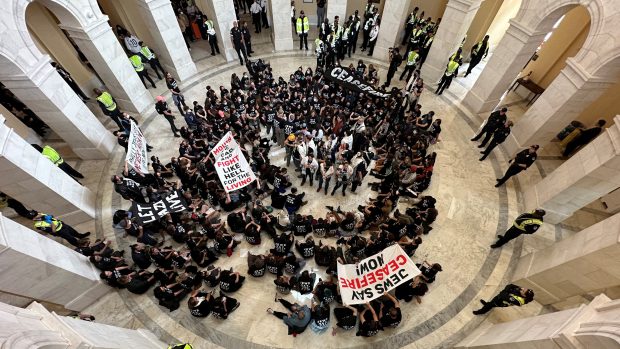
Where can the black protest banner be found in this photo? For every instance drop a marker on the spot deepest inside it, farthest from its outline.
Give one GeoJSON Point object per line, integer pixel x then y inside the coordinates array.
{"type": "Point", "coordinates": [147, 213]}
{"type": "Point", "coordinates": [345, 78]}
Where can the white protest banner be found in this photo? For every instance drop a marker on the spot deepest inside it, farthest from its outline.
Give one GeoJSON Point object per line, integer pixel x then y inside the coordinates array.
{"type": "Point", "coordinates": [375, 275]}
{"type": "Point", "coordinates": [136, 150]}
{"type": "Point", "coordinates": [231, 166]}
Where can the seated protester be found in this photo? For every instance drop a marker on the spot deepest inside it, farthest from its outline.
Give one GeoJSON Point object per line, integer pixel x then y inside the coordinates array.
{"type": "Point", "coordinates": [346, 318]}
{"type": "Point", "coordinates": [212, 276]}
{"type": "Point", "coordinates": [301, 225]}
{"type": "Point", "coordinates": [236, 221]}
{"type": "Point", "coordinates": [278, 200]}
{"type": "Point", "coordinates": [306, 248]}
{"type": "Point", "coordinates": [224, 243]}
{"type": "Point", "coordinates": [200, 253]}
{"type": "Point", "coordinates": [283, 243]}
{"type": "Point", "coordinates": [140, 255]}
{"type": "Point", "coordinates": [138, 283]}
{"type": "Point", "coordinates": [390, 315]}
{"type": "Point", "coordinates": [320, 228]}
{"type": "Point", "coordinates": [410, 246]}
{"type": "Point", "coordinates": [324, 254]}
{"type": "Point", "coordinates": [99, 247]}
{"type": "Point", "coordinates": [129, 189]}
{"type": "Point", "coordinates": [297, 320]}
{"type": "Point", "coordinates": [275, 264]}
{"type": "Point", "coordinates": [293, 202]}
{"type": "Point", "coordinates": [285, 284]}
{"type": "Point", "coordinates": [252, 233]}
{"type": "Point", "coordinates": [170, 295]}
{"type": "Point", "coordinates": [325, 291]}
{"type": "Point", "coordinates": [107, 263]}
{"type": "Point", "coordinates": [292, 264]}
{"type": "Point", "coordinates": [369, 322]}
{"type": "Point", "coordinates": [165, 277]}
{"type": "Point", "coordinates": [133, 229]}
{"type": "Point", "coordinates": [415, 288]}
{"type": "Point", "coordinates": [177, 231]}
{"type": "Point", "coordinates": [223, 305]}
{"type": "Point", "coordinates": [113, 276]}
{"type": "Point", "coordinates": [230, 281]}
{"type": "Point", "coordinates": [320, 317]}
{"type": "Point", "coordinates": [256, 265]}
{"type": "Point", "coordinates": [200, 303]}
{"type": "Point", "coordinates": [268, 224]}
{"type": "Point", "coordinates": [163, 258]}
{"type": "Point", "coordinates": [305, 282]}
{"type": "Point", "coordinates": [429, 271]}
{"type": "Point", "coordinates": [357, 247]}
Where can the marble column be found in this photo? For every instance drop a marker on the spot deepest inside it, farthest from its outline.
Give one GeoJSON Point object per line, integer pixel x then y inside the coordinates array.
{"type": "Point", "coordinates": [395, 13]}
{"type": "Point", "coordinates": [571, 92]}
{"type": "Point", "coordinates": [336, 8]}
{"type": "Point", "coordinates": [169, 43]}
{"type": "Point", "coordinates": [589, 326]}
{"type": "Point", "coordinates": [281, 25]}
{"type": "Point", "coordinates": [32, 179]}
{"type": "Point", "coordinates": [454, 24]}
{"type": "Point", "coordinates": [508, 59]}
{"type": "Point", "coordinates": [594, 171]}
{"type": "Point", "coordinates": [222, 13]}
{"type": "Point", "coordinates": [105, 54]}
{"type": "Point", "coordinates": [582, 263]}
{"type": "Point", "coordinates": [49, 96]}
{"type": "Point", "coordinates": [37, 267]}
{"type": "Point", "coordinates": [35, 327]}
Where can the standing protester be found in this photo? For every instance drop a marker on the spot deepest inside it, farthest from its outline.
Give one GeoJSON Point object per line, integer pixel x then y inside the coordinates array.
{"type": "Point", "coordinates": [141, 70]}
{"type": "Point", "coordinates": [212, 37]}
{"type": "Point", "coordinates": [256, 10]}
{"type": "Point", "coordinates": [395, 60]}
{"type": "Point", "coordinates": [452, 70]}
{"type": "Point", "coordinates": [52, 155]}
{"type": "Point", "coordinates": [69, 80]}
{"type": "Point", "coordinates": [148, 55]}
{"type": "Point", "coordinates": [177, 97]}
{"type": "Point", "coordinates": [320, 11]}
{"type": "Point", "coordinates": [478, 52]}
{"type": "Point", "coordinates": [236, 37]}
{"type": "Point", "coordinates": [302, 27]}
{"type": "Point", "coordinates": [495, 121]}
{"type": "Point", "coordinates": [521, 162]}
{"type": "Point", "coordinates": [511, 295]}
{"type": "Point", "coordinates": [499, 136]}
{"type": "Point", "coordinates": [50, 225]}
{"type": "Point", "coordinates": [526, 223]}
{"type": "Point", "coordinates": [412, 61]}
{"type": "Point", "coordinates": [372, 38]}
{"type": "Point", "coordinates": [162, 109]}
{"type": "Point", "coordinates": [247, 38]}
{"type": "Point", "coordinates": [263, 9]}
{"type": "Point", "coordinates": [108, 106]}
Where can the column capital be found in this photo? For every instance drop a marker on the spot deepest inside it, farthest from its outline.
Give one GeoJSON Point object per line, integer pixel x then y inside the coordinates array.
{"type": "Point", "coordinates": [464, 5]}
{"type": "Point", "coordinates": [581, 78]}
{"type": "Point", "coordinates": [93, 31]}
{"type": "Point", "coordinates": [522, 32]}
{"type": "Point", "coordinates": [37, 74]}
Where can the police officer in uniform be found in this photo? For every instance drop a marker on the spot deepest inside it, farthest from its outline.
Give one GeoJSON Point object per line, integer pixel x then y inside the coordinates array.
{"type": "Point", "coordinates": [141, 70]}
{"type": "Point", "coordinates": [302, 27]}
{"type": "Point", "coordinates": [211, 36]}
{"type": "Point", "coordinates": [412, 61]}
{"type": "Point", "coordinates": [355, 30]}
{"type": "Point", "coordinates": [247, 38]}
{"type": "Point", "coordinates": [526, 223]}
{"type": "Point", "coordinates": [148, 55]}
{"type": "Point", "coordinates": [49, 225]}
{"type": "Point", "coordinates": [511, 295]}
{"type": "Point", "coordinates": [236, 36]}
{"type": "Point", "coordinates": [108, 106]}
{"type": "Point", "coordinates": [337, 31]}
{"type": "Point", "coordinates": [478, 52]}
{"type": "Point", "coordinates": [319, 49]}
{"type": "Point", "coordinates": [495, 120]}
{"type": "Point", "coordinates": [521, 162]}
{"type": "Point", "coordinates": [69, 80]}
{"type": "Point", "coordinates": [52, 155]}
{"type": "Point", "coordinates": [499, 136]}
{"type": "Point", "coordinates": [451, 71]}
{"type": "Point", "coordinates": [181, 346]}
{"type": "Point", "coordinates": [411, 20]}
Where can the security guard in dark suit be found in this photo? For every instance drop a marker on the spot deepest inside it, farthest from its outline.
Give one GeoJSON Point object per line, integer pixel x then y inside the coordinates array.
{"type": "Point", "coordinates": [521, 162]}
{"type": "Point", "coordinates": [511, 295]}
{"type": "Point", "coordinates": [526, 223]}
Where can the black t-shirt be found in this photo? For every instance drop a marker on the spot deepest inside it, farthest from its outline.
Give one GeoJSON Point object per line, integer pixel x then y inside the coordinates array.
{"type": "Point", "coordinates": [388, 321]}
{"type": "Point", "coordinates": [201, 310]}
{"type": "Point", "coordinates": [161, 107]}
{"type": "Point", "coordinates": [236, 36]}
{"type": "Point", "coordinates": [172, 85]}
{"type": "Point", "coordinates": [368, 329]}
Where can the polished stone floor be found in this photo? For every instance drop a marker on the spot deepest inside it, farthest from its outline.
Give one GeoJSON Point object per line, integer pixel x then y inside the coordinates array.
{"type": "Point", "coordinates": [471, 213]}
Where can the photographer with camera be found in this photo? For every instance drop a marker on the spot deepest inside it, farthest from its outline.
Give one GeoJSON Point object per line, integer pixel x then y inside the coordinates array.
{"type": "Point", "coordinates": [395, 61]}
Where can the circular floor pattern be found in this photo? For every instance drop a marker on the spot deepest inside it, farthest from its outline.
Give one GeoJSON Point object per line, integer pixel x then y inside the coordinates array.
{"type": "Point", "coordinates": [471, 212]}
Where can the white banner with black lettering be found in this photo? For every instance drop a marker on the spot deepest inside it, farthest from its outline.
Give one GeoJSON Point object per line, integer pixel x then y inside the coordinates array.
{"type": "Point", "coordinates": [147, 213]}
{"type": "Point", "coordinates": [375, 275]}
{"type": "Point", "coordinates": [136, 150]}
{"type": "Point", "coordinates": [231, 166]}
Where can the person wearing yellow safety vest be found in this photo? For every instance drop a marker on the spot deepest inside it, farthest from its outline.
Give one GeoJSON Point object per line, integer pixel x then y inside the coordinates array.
{"type": "Point", "coordinates": [338, 31]}
{"type": "Point", "coordinates": [347, 38]}
{"type": "Point", "coordinates": [426, 47]}
{"type": "Point", "coordinates": [452, 70]}
{"type": "Point", "coordinates": [526, 223]}
{"type": "Point", "coordinates": [410, 24]}
{"type": "Point", "coordinates": [181, 346]}
{"type": "Point", "coordinates": [478, 52]}
{"type": "Point", "coordinates": [511, 295]}
{"type": "Point", "coordinates": [148, 55]}
{"type": "Point", "coordinates": [412, 59]}
{"type": "Point", "coordinates": [138, 66]}
{"type": "Point", "coordinates": [302, 26]}
{"type": "Point", "coordinates": [108, 105]}
{"type": "Point", "coordinates": [49, 225]}
{"type": "Point", "coordinates": [52, 155]}
{"type": "Point", "coordinates": [211, 36]}
{"type": "Point", "coordinates": [418, 35]}
{"type": "Point", "coordinates": [319, 50]}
